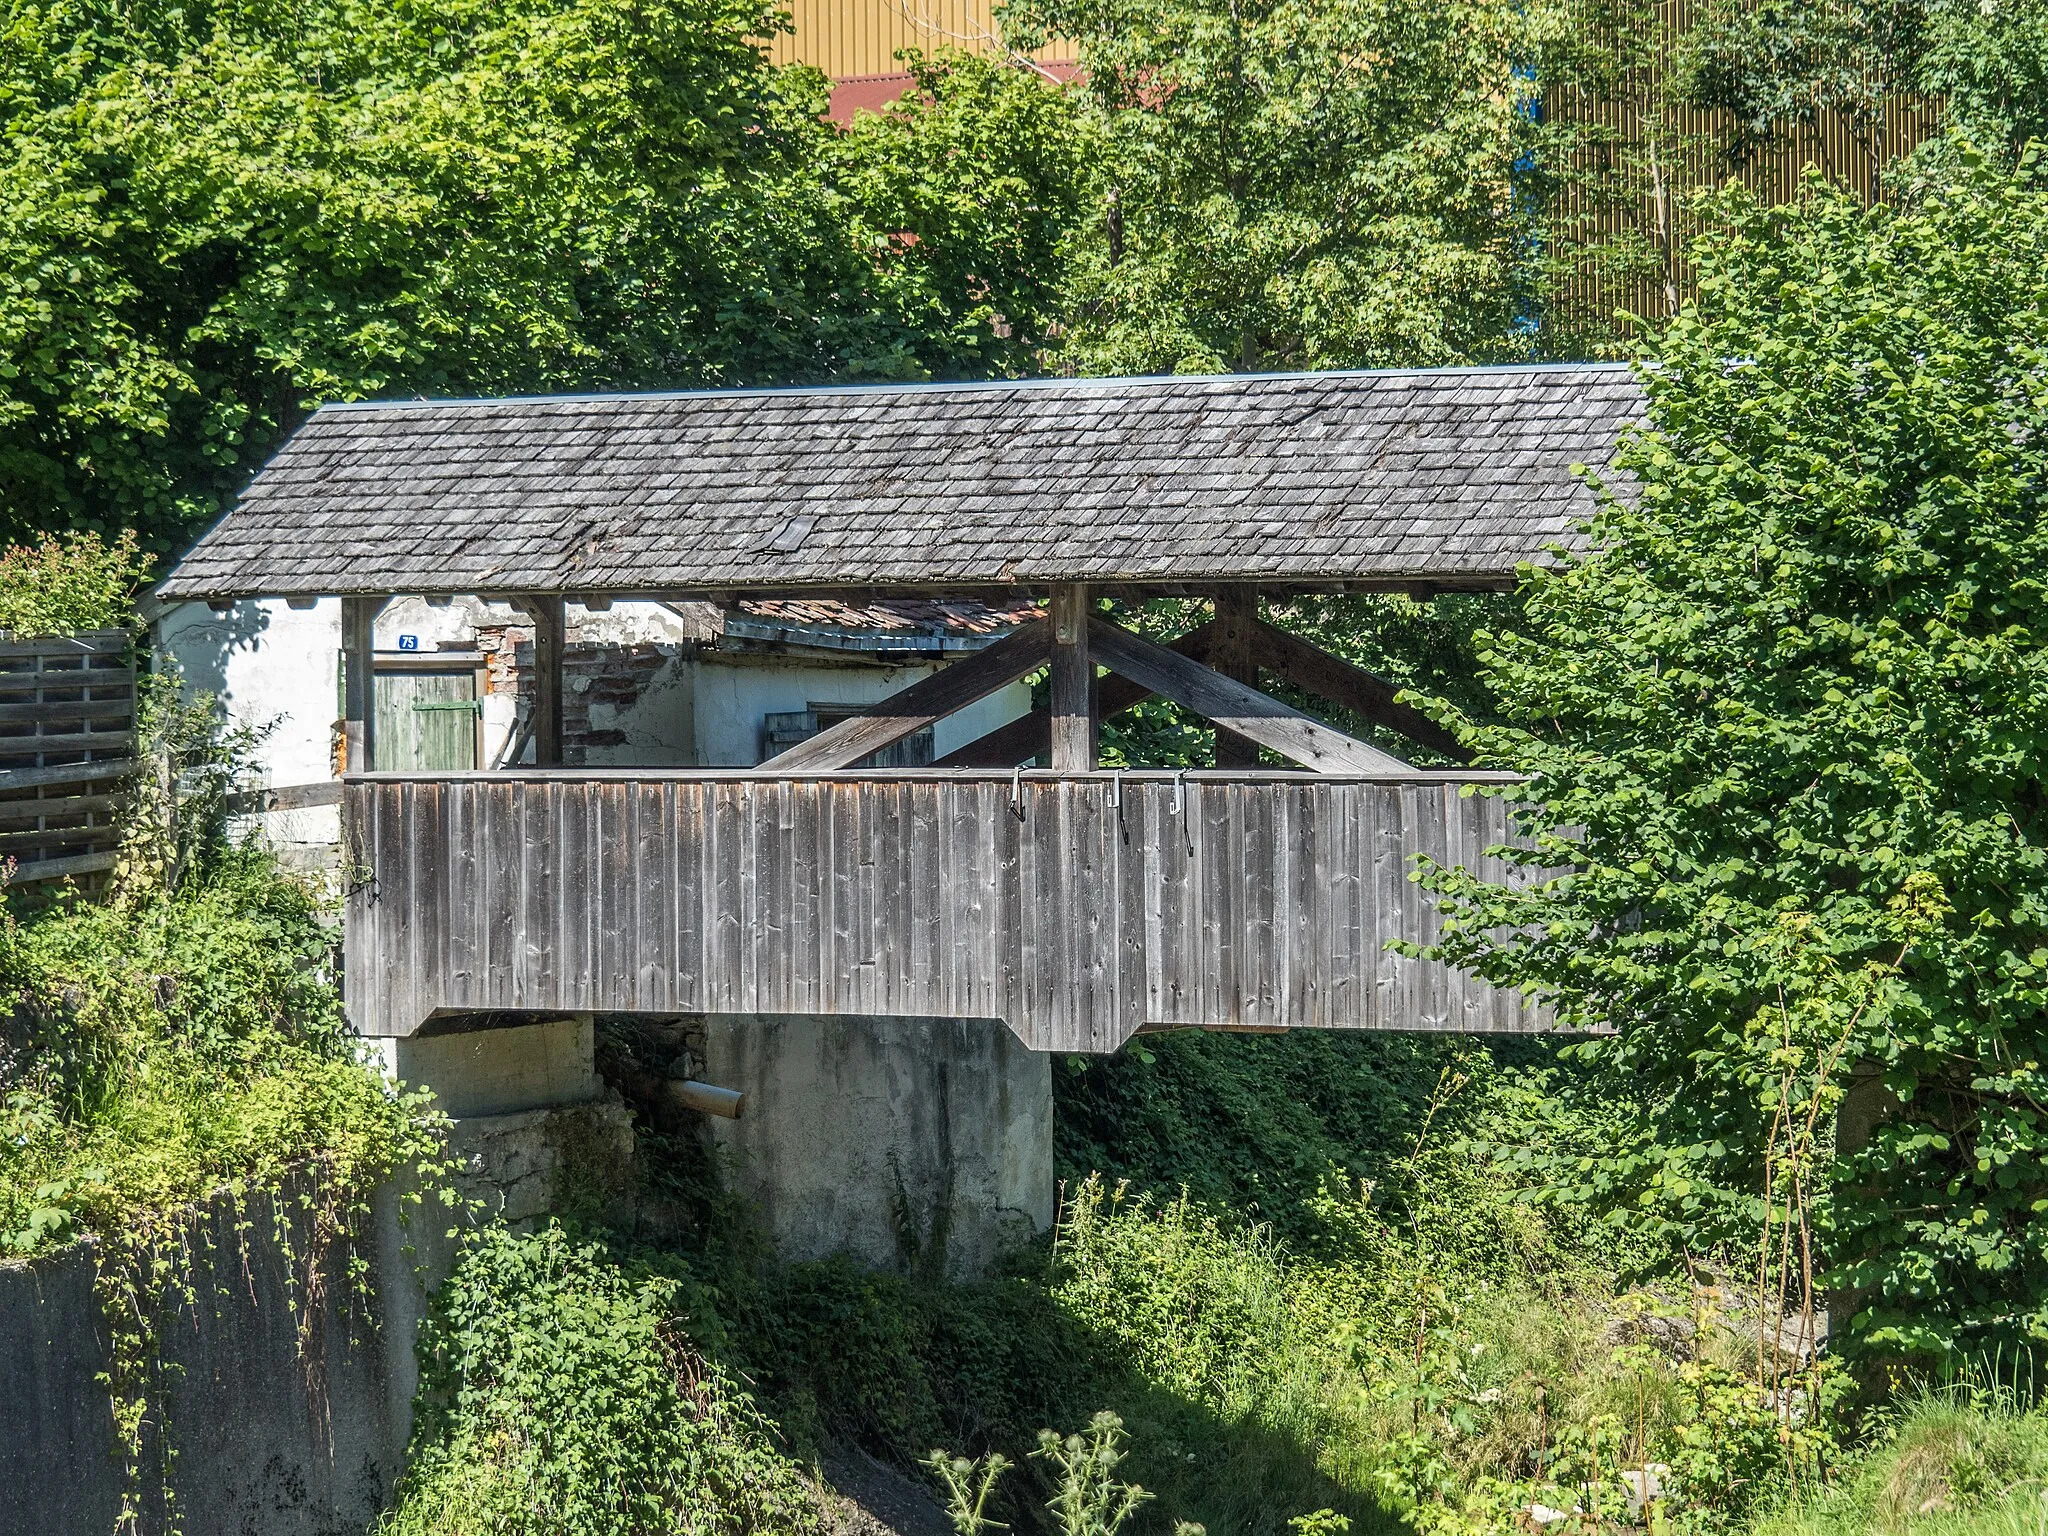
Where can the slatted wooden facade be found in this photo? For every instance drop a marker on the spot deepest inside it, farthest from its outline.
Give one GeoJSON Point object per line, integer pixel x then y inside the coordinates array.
{"type": "Point", "coordinates": [67, 739]}
{"type": "Point", "coordinates": [1078, 909]}
{"type": "Point", "coordinates": [854, 39]}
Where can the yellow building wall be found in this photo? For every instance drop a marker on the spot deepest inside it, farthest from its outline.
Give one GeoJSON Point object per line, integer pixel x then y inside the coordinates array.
{"type": "Point", "coordinates": [851, 38]}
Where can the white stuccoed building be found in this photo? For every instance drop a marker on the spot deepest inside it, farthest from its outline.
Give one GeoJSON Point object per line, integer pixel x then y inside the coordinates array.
{"type": "Point", "coordinates": [647, 684]}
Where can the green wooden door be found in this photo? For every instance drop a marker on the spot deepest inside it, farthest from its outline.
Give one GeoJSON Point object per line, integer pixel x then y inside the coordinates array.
{"type": "Point", "coordinates": [426, 722]}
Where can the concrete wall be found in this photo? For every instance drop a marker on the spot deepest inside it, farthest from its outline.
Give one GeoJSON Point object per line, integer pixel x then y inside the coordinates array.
{"type": "Point", "coordinates": [909, 1143]}
{"type": "Point", "coordinates": [267, 1443]}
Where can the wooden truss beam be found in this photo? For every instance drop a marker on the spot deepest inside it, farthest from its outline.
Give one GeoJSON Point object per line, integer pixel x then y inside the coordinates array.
{"type": "Point", "coordinates": [1236, 707]}
{"type": "Point", "coordinates": [1333, 678]}
{"type": "Point", "coordinates": [1025, 649]}
{"type": "Point", "coordinates": [1030, 735]}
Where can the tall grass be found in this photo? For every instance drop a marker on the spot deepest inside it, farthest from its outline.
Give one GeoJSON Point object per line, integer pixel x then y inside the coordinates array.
{"type": "Point", "coordinates": [1960, 1462]}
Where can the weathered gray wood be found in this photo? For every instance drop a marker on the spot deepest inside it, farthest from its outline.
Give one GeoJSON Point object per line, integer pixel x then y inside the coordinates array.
{"type": "Point", "coordinates": [1071, 694]}
{"type": "Point", "coordinates": [358, 681]}
{"type": "Point", "coordinates": [1116, 902]}
{"type": "Point", "coordinates": [1228, 703]}
{"type": "Point", "coordinates": [550, 634]}
{"type": "Point", "coordinates": [57, 869]}
{"type": "Point", "coordinates": [1023, 650]}
{"type": "Point", "coordinates": [1232, 655]}
{"type": "Point", "coordinates": [68, 773]}
{"type": "Point", "coordinates": [1341, 682]}
{"type": "Point", "coordinates": [1030, 735]}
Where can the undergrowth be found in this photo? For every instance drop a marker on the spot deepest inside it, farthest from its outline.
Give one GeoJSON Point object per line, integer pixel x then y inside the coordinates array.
{"type": "Point", "coordinates": [1958, 1462]}
{"type": "Point", "coordinates": [562, 1392]}
{"type": "Point", "coordinates": [1335, 1309]}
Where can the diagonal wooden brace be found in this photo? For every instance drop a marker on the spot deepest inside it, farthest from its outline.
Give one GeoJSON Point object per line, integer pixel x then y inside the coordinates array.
{"type": "Point", "coordinates": [1236, 707]}
{"type": "Point", "coordinates": [1030, 735]}
{"type": "Point", "coordinates": [1333, 678]}
{"type": "Point", "coordinates": [1023, 650]}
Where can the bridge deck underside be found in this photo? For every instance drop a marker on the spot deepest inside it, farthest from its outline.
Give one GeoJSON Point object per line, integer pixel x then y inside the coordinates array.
{"type": "Point", "coordinates": [1077, 909]}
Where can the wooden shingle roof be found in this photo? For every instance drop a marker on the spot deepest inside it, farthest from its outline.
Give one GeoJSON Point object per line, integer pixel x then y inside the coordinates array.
{"type": "Point", "coordinates": [1446, 476]}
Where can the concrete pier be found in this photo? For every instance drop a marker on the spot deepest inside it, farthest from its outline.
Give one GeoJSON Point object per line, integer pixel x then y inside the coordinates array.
{"type": "Point", "coordinates": [916, 1144]}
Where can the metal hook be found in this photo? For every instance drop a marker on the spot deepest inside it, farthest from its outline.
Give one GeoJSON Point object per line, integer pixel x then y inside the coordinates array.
{"type": "Point", "coordinates": [1116, 798]}
{"type": "Point", "coordinates": [1017, 791]}
{"type": "Point", "coordinates": [1180, 809]}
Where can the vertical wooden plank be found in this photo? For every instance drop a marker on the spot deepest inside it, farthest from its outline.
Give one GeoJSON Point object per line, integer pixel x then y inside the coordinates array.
{"type": "Point", "coordinates": [725, 840]}
{"type": "Point", "coordinates": [690, 945]}
{"type": "Point", "coordinates": [645, 933]}
{"type": "Point", "coordinates": [806, 910]}
{"type": "Point", "coordinates": [1009, 916]}
{"type": "Point", "coordinates": [1131, 891]}
{"type": "Point", "coordinates": [428, 879]}
{"type": "Point", "coordinates": [549, 639]}
{"type": "Point", "coordinates": [499, 856]}
{"type": "Point", "coordinates": [842, 888]}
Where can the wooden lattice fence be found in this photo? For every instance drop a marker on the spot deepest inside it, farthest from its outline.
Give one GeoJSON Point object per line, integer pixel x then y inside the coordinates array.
{"type": "Point", "coordinates": [67, 741]}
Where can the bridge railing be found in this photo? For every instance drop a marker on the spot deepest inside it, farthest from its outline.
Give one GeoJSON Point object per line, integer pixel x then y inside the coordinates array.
{"type": "Point", "coordinates": [1077, 908]}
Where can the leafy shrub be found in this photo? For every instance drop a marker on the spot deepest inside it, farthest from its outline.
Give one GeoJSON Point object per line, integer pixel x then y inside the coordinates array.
{"type": "Point", "coordinates": [561, 1394]}
{"type": "Point", "coordinates": [1783, 727]}
{"type": "Point", "coordinates": [163, 1050]}
{"type": "Point", "coordinates": [68, 583]}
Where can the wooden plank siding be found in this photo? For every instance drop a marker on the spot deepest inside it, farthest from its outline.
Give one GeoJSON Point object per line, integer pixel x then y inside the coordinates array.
{"type": "Point", "coordinates": [67, 743]}
{"type": "Point", "coordinates": [1078, 909]}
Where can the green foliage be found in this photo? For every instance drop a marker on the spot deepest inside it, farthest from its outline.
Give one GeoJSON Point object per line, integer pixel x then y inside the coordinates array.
{"type": "Point", "coordinates": [164, 1049]}
{"type": "Point", "coordinates": [1778, 69]}
{"type": "Point", "coordinates": [561, 1394]}
{"type": "Point", "coordinates": [968, 1485]}
{"type": "Point", "coordinates": [1954, 1463]}
{"type": "Point", "coordinates": [1087, 1499]}
{"type": "Point", "coordinates": [213, 216]}
{"type": "Point", "coordinates": [1988, 62]}
{"type": "Point", "coordinates": [966, 190]}
{"type": "Point", "coordinates": [1783, 728]}
{"type": "Point", "coordinates": [64, 585]}
{"type": "Point", "coordinates": [182, 1047]}
{"type": "Point", "coordinates": [1293, 183]}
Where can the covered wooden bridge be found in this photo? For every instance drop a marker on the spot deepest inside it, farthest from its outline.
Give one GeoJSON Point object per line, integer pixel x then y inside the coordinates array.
{"type": "Point", "coordinates": [1013, 879]}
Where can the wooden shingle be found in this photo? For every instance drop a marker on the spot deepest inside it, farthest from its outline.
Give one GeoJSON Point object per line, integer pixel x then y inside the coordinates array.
{"type": "Point", "coordinates": [1448, 476]}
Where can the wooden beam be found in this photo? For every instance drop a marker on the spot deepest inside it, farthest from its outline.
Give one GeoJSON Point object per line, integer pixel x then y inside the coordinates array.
{"type": "Point", "coordinates": [1072, 701]}
{"type": "Point", "coordinates": [359, 682]}
{"type": "Point", "coordinates": [1244, 710]}
{"type": "Point", "coordinates": [1237, 615]}
{"type": "Point", "coordinates": [550, 638]}
{"type": "Point", "coordinates": [1333, 678]}
{"type": "Point", "coordinates": [1025, 649]}
{"type": "Point", "coordinates": [1030, 734]}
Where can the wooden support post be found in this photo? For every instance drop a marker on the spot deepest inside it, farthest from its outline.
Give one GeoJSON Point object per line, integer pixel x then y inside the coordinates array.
{"type": "Point", "coordinates": [1237, 619]}
{"type": "Point", "coordinates": [359, 682]}
{"type": "Point", "coordinates": [549, 638]}
{"type": "Point", "coordinates": [1073, 682]}
{"type": "Point", "coordinates": [1333, 678]}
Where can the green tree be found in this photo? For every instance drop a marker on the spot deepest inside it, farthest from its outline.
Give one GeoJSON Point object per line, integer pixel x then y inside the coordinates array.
{"type": "Point", "coordinates": [1776, 69]}
{"type": "Point", "coordinates": [1294, 183]}
{"type": "Point", "coordinates": [1783, 724]}
{"type": "Point", "coordinates": [215, 215]}
{"type": "Point", "coordinates": [1988, 61]}
{"type": "Point", "coordinates": [967, 192]}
